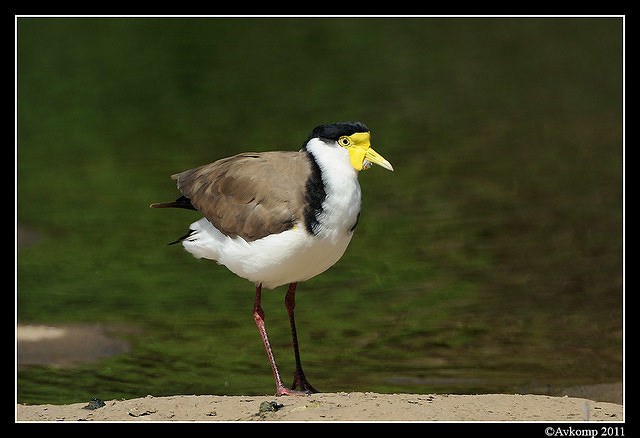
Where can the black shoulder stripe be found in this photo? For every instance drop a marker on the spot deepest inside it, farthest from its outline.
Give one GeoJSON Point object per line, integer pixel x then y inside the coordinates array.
{"type": "Point", "coordinates": [314, 196]}
{"type": "Point", "coordinates": [356, 224]}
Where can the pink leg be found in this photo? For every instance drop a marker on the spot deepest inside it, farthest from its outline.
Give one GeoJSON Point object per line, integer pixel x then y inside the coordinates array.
{"type": "Point", "coordinates": [299, 379]}
{"type": "Point", "coordinates": [258, 316]}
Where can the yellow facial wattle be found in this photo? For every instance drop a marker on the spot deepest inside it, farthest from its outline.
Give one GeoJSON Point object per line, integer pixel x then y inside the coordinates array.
{"type": "Point", "coordinates": [361, 152]}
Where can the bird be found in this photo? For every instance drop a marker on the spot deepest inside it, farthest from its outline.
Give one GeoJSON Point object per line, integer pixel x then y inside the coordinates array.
{"type": "Point", "coordinates": [279, 217]}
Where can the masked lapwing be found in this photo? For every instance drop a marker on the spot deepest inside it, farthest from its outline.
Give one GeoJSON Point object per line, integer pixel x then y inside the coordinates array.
{"type": "Point", "coordinates": [280, 217]}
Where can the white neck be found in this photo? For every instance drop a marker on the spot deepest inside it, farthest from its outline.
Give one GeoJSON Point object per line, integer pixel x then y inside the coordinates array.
{"type": "Point", "coordinates": [341, 206]}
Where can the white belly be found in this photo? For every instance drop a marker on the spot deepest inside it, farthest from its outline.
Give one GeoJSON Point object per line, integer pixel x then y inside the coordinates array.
{"type": "Point", "coordinates": [293, 255]}
{"type": "Point", "coordinates": [287, 257]}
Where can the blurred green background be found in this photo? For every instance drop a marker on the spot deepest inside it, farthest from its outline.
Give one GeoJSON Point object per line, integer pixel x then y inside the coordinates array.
{"type": "Point", "coordinates": [489, 261]}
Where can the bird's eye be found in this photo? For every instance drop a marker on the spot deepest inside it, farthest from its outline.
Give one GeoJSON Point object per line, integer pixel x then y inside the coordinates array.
{"type": "Point", "coordinates": [344, 141]}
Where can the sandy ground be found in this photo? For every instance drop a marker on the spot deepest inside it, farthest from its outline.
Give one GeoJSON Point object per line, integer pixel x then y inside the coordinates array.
{"type": "Point", "coordinates": [69, 345]}
{"type": "Point", "coordinates": [354, 406]}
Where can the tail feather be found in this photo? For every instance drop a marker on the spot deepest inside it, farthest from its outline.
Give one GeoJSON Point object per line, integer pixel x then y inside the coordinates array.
{"type": "Point", "coordinates": [181, 202]}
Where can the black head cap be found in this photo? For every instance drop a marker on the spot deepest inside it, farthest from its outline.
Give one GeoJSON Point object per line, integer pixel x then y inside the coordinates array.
{"type": "Point", "coordinates": [334, 131]}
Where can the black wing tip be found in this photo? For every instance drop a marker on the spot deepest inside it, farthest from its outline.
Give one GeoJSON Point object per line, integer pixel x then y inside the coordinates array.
{"type": "Point", "coordinates": [185, 237]}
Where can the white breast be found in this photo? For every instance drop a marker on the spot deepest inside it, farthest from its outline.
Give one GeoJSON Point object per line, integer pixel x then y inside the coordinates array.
{"type": "Point", "coordinates": [293, 255]}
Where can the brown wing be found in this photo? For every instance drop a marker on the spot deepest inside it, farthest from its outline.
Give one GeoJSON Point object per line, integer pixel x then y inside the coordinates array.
{"type": "Point", "coordinates": [250, 195]}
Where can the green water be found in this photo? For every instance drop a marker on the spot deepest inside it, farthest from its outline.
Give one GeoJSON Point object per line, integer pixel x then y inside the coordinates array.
{"type": "Point", "coordinates": [489, 261]}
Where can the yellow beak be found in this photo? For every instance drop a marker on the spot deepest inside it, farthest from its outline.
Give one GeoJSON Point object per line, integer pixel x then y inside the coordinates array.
{"type": "Point", "coordinates": [375, 158]}
{"type": "Point", "coordinates": [361, 152]}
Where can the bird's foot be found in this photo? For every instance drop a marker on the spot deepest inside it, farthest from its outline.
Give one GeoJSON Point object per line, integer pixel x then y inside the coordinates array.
{"type": "Point", "coordinates": [281, 390]}
{"type": "Point", "coordinates": [300, 380]}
